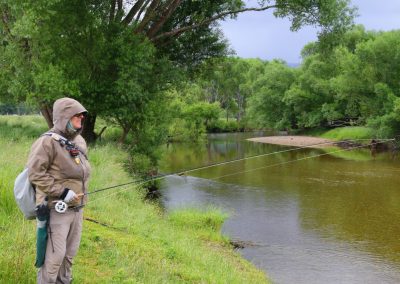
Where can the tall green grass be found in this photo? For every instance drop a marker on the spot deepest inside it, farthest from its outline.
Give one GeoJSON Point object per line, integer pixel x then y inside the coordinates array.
{"type": "Point", "coordinates": [348, 133]}
{"type": "Point", "coordinates": [142, 244]}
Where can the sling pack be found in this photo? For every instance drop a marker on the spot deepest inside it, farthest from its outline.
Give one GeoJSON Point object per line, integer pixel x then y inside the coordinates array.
{"type": "Point", "coordinates": [24, 192]}
{"type": "Point", "coordinates": [25, 195]}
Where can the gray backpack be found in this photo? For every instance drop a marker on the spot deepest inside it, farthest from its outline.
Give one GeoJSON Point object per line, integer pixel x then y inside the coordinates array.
{"type": "Point", "coordinates": [25, 195]}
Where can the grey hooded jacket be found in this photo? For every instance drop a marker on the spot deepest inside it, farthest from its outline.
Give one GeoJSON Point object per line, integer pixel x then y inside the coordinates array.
{"type": "Point", "coordinates": [51, 167]}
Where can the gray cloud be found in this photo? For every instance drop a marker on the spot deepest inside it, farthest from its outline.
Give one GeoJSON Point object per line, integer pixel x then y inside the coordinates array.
{"type": "Point", "coordinates": [260, 34]}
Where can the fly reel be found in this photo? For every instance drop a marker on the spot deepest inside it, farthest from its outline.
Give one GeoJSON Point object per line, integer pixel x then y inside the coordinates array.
{"type": "Point", "coordinates": [60, 206]}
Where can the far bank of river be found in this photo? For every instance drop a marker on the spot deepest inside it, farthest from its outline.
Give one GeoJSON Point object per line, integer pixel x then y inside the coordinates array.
{"type": "Point", "coordinates": [307, 215]}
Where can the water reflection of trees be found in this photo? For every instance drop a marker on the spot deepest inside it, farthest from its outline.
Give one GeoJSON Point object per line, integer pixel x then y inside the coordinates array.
{"type": "Point", "coordinates": [219, 148]}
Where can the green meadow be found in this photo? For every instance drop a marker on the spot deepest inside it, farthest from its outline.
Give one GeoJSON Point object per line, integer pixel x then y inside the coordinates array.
{"type": "Point", "coordinates": [132, 241]}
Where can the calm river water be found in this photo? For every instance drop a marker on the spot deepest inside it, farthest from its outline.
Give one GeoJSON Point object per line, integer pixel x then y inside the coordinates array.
{"type": "Point", "coordinates": [330, 219]}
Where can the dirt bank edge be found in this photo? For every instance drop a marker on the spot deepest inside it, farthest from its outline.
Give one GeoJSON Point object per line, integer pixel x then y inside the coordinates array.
{"type": "Point", "coordinates": [296, 141]}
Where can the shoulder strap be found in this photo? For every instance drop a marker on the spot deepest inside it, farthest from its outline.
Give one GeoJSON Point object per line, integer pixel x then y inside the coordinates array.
{"type": "Point", "coordinates": [63, 141]}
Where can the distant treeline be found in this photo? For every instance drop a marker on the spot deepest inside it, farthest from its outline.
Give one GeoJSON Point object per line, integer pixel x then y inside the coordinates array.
{"type": "Point", "coordinates": [17, 109]}
{"type": "Point", "coordinates": [355, 82]}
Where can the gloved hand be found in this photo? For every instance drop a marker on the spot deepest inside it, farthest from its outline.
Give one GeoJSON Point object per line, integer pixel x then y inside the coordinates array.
{"type": "Point", "coordinates": [68, 195]}
{"type": "Point", "coordinates": [42, 212]}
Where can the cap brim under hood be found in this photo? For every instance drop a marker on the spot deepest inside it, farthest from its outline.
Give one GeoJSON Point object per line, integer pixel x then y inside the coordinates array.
{"type": "Point", "coordinates": [63, 110]}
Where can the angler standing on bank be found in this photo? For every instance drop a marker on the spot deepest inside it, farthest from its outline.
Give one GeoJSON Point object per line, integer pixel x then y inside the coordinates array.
{"type": "Point", "coordinates": [59, 169]}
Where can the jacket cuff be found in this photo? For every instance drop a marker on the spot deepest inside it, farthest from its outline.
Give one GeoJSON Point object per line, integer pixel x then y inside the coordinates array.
{"type": "Point", "coordinates": [64, 194]}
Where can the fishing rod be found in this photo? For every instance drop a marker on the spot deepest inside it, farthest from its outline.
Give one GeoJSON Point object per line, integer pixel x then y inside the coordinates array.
{"type": "Point", "coordinates": [184, 172]}
{"type": "Point", "coordinates": [210, 165]}
{"type": "Point", "coordinates": [152, 178]}
{"type": "Point", "coordinates": [180, 173]}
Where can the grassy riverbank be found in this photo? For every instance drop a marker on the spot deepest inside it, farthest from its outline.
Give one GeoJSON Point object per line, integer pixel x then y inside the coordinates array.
{"type": "Point", "coordinates": [343, 133]}
{"type": "Point", "coordinates": [141, 244]}
{"type": "Point", "coordinates": [361, 135]}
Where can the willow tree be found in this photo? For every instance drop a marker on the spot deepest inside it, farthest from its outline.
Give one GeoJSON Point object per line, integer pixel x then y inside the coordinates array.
{"type": "Point", "coordinates": [116, 56]}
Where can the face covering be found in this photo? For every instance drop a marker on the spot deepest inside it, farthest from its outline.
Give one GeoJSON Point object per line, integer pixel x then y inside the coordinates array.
{"type": "Point", "coordinates": [70, 128]}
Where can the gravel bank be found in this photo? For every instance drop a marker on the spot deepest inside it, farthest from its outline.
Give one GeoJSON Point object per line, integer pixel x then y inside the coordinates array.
{"type": "Point", "coordinates": [296, 141]}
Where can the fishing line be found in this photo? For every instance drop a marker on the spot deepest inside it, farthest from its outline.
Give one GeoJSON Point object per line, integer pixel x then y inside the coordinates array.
{"type": "Point", "coordinates": [224, 163]}
{"type": "Point", "coordinates": [240, 159]}
{"type": "Point", "coordinates": [287, 162]}
{"type": "Point", "coordinates": [208, 166]}
{"type": "Point", "coordinates": [157, 177]}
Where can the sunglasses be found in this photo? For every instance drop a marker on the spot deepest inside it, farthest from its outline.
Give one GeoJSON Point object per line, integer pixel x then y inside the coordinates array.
{"type": "Point", "coordinates": [79, 115]}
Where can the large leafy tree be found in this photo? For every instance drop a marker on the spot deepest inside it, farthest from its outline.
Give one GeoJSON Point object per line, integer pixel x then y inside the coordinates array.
{"type": "Point", "coordinates": [376, 69]}
{"type": "Point", "coordinates": [330, 89]}
{"type": "Point", "coordinates": [229, 81]}
{"type": "Point", "coordinates": [354, 83]}
{"type": "Point", "coordinates": [267, 106]}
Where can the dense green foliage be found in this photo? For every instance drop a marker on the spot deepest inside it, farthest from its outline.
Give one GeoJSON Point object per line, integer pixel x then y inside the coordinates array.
{"type": "Point", "coordinates": [353, 84]}
{"type": "Point", "coordinates": [141, 245]}
{"type": "Point", "coordinates": [124, 59]}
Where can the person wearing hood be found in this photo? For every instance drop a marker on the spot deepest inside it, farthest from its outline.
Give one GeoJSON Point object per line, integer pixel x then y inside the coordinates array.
{"type": "Point", "coordinates": [58, 174]}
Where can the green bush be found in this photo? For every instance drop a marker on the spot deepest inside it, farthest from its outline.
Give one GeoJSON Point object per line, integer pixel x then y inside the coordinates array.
{"type": "Point", "coordinates": [185, 130]}
{"type": "Point", "coordinates": [139, 164]}
{"type": "Point", "coordinates": [221, 125]}
{"type": "Point", "coordinates": [386, 126]}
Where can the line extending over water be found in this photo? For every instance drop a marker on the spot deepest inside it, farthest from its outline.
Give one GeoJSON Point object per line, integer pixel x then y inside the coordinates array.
{"type": "Point", "coordinates": [159, 177]}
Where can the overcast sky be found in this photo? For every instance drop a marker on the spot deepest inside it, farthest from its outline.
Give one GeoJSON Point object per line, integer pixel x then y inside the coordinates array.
{"type": "Point", "coordinates": [260, 34]}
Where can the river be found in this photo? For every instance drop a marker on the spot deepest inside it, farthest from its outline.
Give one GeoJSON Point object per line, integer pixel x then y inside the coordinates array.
{"type": "Point", "coordinates": [305, 215]}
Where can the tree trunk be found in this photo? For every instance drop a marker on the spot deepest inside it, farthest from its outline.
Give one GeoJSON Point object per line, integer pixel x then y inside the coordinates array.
{"type": "Point", "coordinates": [125, 131]}
{"type": "Point", "coordinates": [239, 101]}
{"type": "Point", "coordinates": [47, 113]}
{"type": "Point", "coordinates": [88, 128]}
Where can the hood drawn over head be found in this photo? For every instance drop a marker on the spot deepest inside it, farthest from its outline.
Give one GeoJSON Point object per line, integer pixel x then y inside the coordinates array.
{"type": "Point", "coordinates": [63, 110]}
